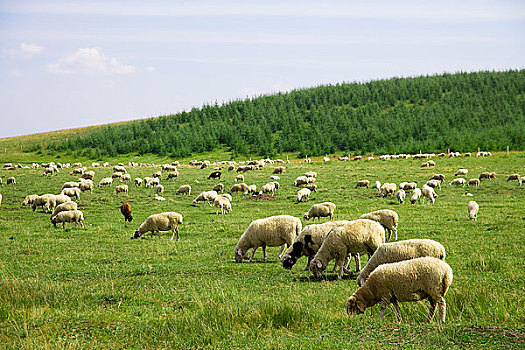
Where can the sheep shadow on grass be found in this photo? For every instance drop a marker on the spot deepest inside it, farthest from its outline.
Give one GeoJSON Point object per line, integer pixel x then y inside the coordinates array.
{"type": "Point", "coordinates": [330, 278]}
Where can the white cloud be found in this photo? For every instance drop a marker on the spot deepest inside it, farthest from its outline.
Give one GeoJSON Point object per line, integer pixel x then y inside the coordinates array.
{"type": "Point", "coordinates": [151, 69]}
{"type": "Point", "coordinates": [90, 61]}
{"type": "Point", "coordinates": [24, 51]}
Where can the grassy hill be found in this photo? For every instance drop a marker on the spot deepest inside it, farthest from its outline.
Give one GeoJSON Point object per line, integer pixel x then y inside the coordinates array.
{"type": "Point", "coordinates": [460, 112]}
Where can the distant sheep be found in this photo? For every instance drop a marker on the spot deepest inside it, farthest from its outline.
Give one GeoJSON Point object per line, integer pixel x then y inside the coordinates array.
{"type": "Point", "coordinates": [439, 177]}
{"type": "Point", "coordinates": [184, 190]}
{"type": "Point", "coordinates": [252, 189]}
{"type": "Point", "coordinates": [320, 210]}
{"type": "Point", "coordinates": [473, 182]}
{"type": "Point", "coordinates": [242, 187]}
{"type": "Point", "coordinates": [160, 222]}
{"type": "Point", "coordinates": [72, 192]}
{"type": "Point", "coordinates": [64, 207]}
{"type": "Point", "coordinates": [159, 189]}
{"type": "Point", "coordinates": [387, 189]}
{"type": "Point", "coordinates": [120, 188]}
{"type": "Point", "coordinates": [473, 209]}
{"type": "Point", "coordinates": [269, 188]}
{"type": "Point", "coordinates": [410, 280]}
{"type": "Point", "coordinates": [301, 180]}
{"type": "Point", "coordinates": [513, 177]}
{"type": "Point", "coordinates": [223, 203]}
{"type": "Point", "coordinates": [10, 180]}
{"type": "Point", "coordinates": [459, 181]}
{"type": "Point", "coordinates": [172, 175]}
{"type": "Point", "coordinates": [138, 181]}
{"type": "Point", "coordinates": [362, 183]}
{"type": "Point", "coordinates": [215, 175]}
{"type": "Point", "coordinates": [125, 177]}
{"type": "Point", "coordinates": [125, 209]}
{"type": "Point", "coordinates": [239, 177]}
{"type": "Point", "coordinates": [75, 216]}
{"type": "Point", "coordinates": [408, 186]}
{"type": "Point", "coordinates": [303, 195]}
{"type": "Point", "coordinates": [487, 176]}
{"type": "Point", "coordinates": [461, 172]}
{"type": "Point", "coordinates": [86, 185]}
{"type": "Point", "coordinates": [273, 231]}
{"type": "Point", "coordinates": [279, 170]}
{"type": "Point", "coordinates": [428, 192]}
{"type": "Point", "coordinates": [311, 187]}
{"type": "Point", "coordinates": [218, 188]}
{"type": "Point", "coordinates": [205, 197]}
{"type": "Point", "coordinates": [107, 181]}
{"type": "Point", "coordinates": [400, 195]}
{"type": "Point", "coordinates": [388, 218]}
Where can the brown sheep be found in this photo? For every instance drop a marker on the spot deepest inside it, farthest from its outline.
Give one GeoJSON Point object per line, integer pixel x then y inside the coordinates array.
{"type": "Point", "coordinates": [125, 209]}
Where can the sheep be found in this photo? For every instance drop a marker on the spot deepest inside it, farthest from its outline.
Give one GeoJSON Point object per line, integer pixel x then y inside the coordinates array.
{"type": "Point", "coordinates": [52, 202]}
{"type": "Point", "coordinates": [252, 189]}
{"type": "Point", "coordinates": [355, 237]}
{"type": "Point", "coordinates": [522, 180]}
{"type": "Point", "coordinates": [138, 181]}
{"type": "Point", "coordinates": [307, 243]}
{"type": "Point", "coordinates": [458, 181]}
{"type": "Point", "coordinates": [86, 185]}
{"type": "Point", "coordinates": [279, 170]}
{"type": "Point", "coordinates": [77, 171]}
{"type": "Point", "coordinates": [387, 189]}
{"type": "Point", "coordinates": [473, 209]}
{"type": "Point", "coordinates": [310, 174]}
{"type": "Point", "coordinates": [223, 203]}
{"type": "Point", "coordinates": [29, 199]}
{"type": "Point", "coordinates": [88, 175]}
{"type": "Point", "coordinates": [268, 188]}
{"type": "Point", "coordinates": [303, 194]}
{"type": "Point", "coordinates": [157, 175]}
{"type": "Point", "coordinates": [75, 216]}
{"type": "Point", "coordinates": [10, 180]}
{"type": "Point", "coordinates": [205, 197]}
{"type": "Point", "coordinates": [70, 184]}
{"type": "Point", "coordinates": [218, 188]}
{"type": "Point", "coordinates": [215, 175]}
{"type": "Point", "coordinates": [434, 184]}
{"type": "Point", "coordinates": [184, 189]}
{"type": "Point", "coordinates": [125, 177]}
{"type": "Point", "coordinates": [311, 187]}
{"type": "Point", "coordinates": [388, 218]}
{"type": "Point", "coordinates": [0, 199]}
{"type": "Point", "coordinates": [429, 193]}
{"type": "Point", "coordinates": [400, 195]}
{"type": "Point", "coordinates": [71, 192]}
{"type": "Point", "coordinates": [410, 280]}
{"type": "Point", "coordinates": [116, 175]}
{"type": "Point", "coordinates": [362, 183]}
{"type": "Point", "coordinates": [64, 207]}
{"type": "Point", "coordinates": [151, 181]}
{"type": "Point", "coordinates": [513, 177]}
{"type": "Point", "coordinates": [49, 171]}
{"type": "Point", "coordinates": [159, 189]}
{"type": "Point", "coordinates": [173, 174]}
{"type": "Point", "coordinates": [40, 201]}
{"type": "Point", "coordinates": [320, 210]}
{"type": "Point", "coordinates": [272, 231]}
{"type": "Point", "coordinates": [461, 172]}
{"type": "Point", "coordinates": [473, 182]}
{"type": "Point", "coordinates": [274, 177]}
{"type": "Point", "coordinates": [399, 251]}
{"type": "Point", "coordinates": [301, 180]}
{"type": "Point", "coordinates": [160, 222]}
{"type": "Point", "coordinates": [487, 176]}
{"type": "Point", "coordinates": [121, 188]}
{"type": "Point", "coordinates": [125, 209]}
{"type": "Point", "coordinates": [1, 184]}
{"type": "Point", "coordinates": [276, 185]}
{"type": "Point", "coordinates": [439, 177]}
{"type": "Point", "coordinates": [107, 181]}
{"type": "Point", "coordinates": [239, 177]}
{"type": "Point", "coordinates": [408, 186]}
{"type": "Point", "coordinates": [378, 185]}
{"type": "Point", "coordinates": [242, 187]}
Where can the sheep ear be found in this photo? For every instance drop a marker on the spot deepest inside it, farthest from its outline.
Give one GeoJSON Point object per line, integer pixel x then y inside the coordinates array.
{"type": "Point", "coordinates": [319, 265]}
{"type": "Point", "coordinates": [360, 306]}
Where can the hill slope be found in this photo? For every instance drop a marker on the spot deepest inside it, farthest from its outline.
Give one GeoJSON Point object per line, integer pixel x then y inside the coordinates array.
{"type": "Point", "coordinates": [460, 111]}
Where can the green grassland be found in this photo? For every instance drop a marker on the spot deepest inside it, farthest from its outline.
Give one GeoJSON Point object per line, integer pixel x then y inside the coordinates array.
{"type": "Point", "coordinates": [96, 288]}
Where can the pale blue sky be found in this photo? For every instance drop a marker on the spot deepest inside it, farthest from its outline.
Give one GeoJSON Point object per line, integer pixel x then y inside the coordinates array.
{"type": "Point", "coordinates": [67, 64]}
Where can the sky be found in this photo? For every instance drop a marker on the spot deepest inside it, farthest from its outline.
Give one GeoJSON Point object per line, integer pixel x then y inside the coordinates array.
{"type": "Point", "coordinates": [66, 64]}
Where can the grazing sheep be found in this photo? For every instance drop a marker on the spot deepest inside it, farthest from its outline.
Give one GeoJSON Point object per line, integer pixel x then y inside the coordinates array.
{"type": "Point", "coordinates": [410, 280]}
{"type": "Point", "coordinates": [310, 174]}
{"type": "Point", "coordinates": [159, 198]}
{"type": "Point", "coordinates": [522, 180]}
{"type": "Point", "coordinates": [269, 188]}
{"type": "Point", "coordinates": [52, 202]}
{"type": "Point", "coordinates": [273, 231]}
{"type": "Point", "coordinates": [205, 197]}
{"type": "Point", "coordinates": [279, 170]}
{"type": "Point", "coordinates": [86, 185]}
{"type": "Point", "coordinates": [487, 176]}
{"type": "Point", "coordinates": [138, 181]}
{"type": "Point", "coordinates": [387, 189]}
{"type": "Point", "coordinates": [242, 187]}
{"type": "Point", "coordinates": [473, 182]}
{"type": "Point", "coordinates": [303, 195]}
{"type": "Point", "coordinates": [88, 175]}
{"type": "Point", "coordinates": [157, 175]}
{"type": "Point", "coordinates": [388, 218]}
{"type": "Point", "coordinates": [77, 171]}
{"type": "Point", "coordinates": [239, 177]}
{"type": "Point", "coordinates": [125, 177]}
{"type": "Point", "coordinates": [429, 193]}
{"type": "Point", "coordinates": [218, 188]}
{"type": "Point", "coordinates": [151, 181]}
{"type": "Point", "coordinates": [71, 192]}
{"type": "Point", "coordinates": [223, 203]}
{"type": "Point", "coordinates": [459, 181]}
{"type": "Point", "coordinates": [29, 199]}
{"type": "Point", "coordinates": [439, 177]}
{"type": "Point", "coordinates": [307, 243]}
{"type": "Point", "coordinates": [125, 209]}
{"type": "Point", "coordinates": [116, 175]}
{"type": "Point", "coordinates": [215, 175]}
{"type": "Point", "coordinates": [75, 216]}
{"type": "Point", "coordinates": [274, 177]}
{"type": "Point", "coordinates": [252, 189]}
{"type": "Point", "coordinates": [513, 177]}
{"type": "Point", "coordinates": [107, 181]}
{"type": "Point", "coordinates": [320, 210]}
{"type": "Point", "coordinates": [399, 251]}
{"type": "Point", "coordinates": [160, 222]}
{"type": "Point", "coordinates": [173, 174]}
{"type": "Point", "coordinates": [301, 180]}
{"type": "Point", "coordinates": [378, 185]}
{"type": "Point", "coordinates": [461, 172]}
{"type": "Point", "coordinates": [121, 188]}
{"type": "Point", "coordinates": [311, 187]}
{"type": "Point", "coordinates": [473, 208]}
{"type": "Point", "coordinates": [355, 237]}
{"type": "Point", "coordinates": [362, 183]}
{"type": "Point", "coordinates": [159, 189]}
{"type": "Point", "coordinates": [408, 186]}
{"type": "Point", "coordinates": [10, 180]}
{"type": "Point", "coordinates": [40, 201]}
{"type": "Point", "coordinates": [65, 207]}
{"type": "Point", "coordinates": [184, 189]}
{"type": "Point", "coordinates": [434, 184]}
{"type": "Point", "coordinates": [400, 195]}
{"type": "Point", "coordinates": [70, 185]}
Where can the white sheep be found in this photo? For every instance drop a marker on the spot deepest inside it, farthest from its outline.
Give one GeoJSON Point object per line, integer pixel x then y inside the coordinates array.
{"type": "Point", "coordinates": [473, 182]}
{"type": "Point", "coordinates": [205, 197]}
{"type": "Point", "coordinates": [416, 196]}
{"type": "Point", "coordinates": [223, 203]}
{"type": "Point", "coordinates": [461, 172]}
{"type": "Point", "coordinates": [121, 188]}
{"type": "Point", "coordinates": [399, 251]}
{"type": "Point", "coordinates": [410, 280]}
{"type": "Point", "coordinates": [378, 185]}
{"type": "Point", "coordinates": [428, 192]}
{"type": "Point", "coordinates": [459, 181]}
{"type": "Point", "coordinates": [64, 207]}
{"type": "Point", "coordinates": [301, 180]}
{"type": "Point", "coordinates": [29, 199]}
{"type": "Point", "coordinates": [138, 181]}
{"type": "Point", "coordinates": [355, 237]}
{"type": "Point", "coordinates": [303, 195]}
{"type": "Point", "coordinates": [362, 183]}
{"type": "Point", "coordinates": [434, 184]}
{"type": "Point", "coordinates": [86, 185]}
{"type": "Point", "coordinates": [252, 189]}
{"type": "Point", "coordinates": [70, 184]}
{"type": "Point", "coordinates": [52, 202]}
{"type": "Point", "coordinates": [40, 201]}
{"type": "Point", "coordinates": [75, 216]}
{"type": "Point", "coordinates": [107, 181]}
{"type": "Point", "coordinates": [125, 177]}
{"type": "Point", "coordinates": [400, 195]}
{"type": "Point", "coordinates": [320, 210]}
{"type": "Point", "coordinates": [269, 188]}
{"type": "Point", "coordinates": [473, 208]}
{"type": "Point", "coordinates": [218, 188]}
{"type": "Point", "coordinates": [439, 177]}
{"type": "Point", "coordinates": [242, 187]}
{"type": "Point", "coordinates": [184, 189]}
{"type": "Point", "coordinates": [307, 243]}
{"type": "Point", "coordinates": [160, 222]}
{"type": "Point", "coordinates": [71, 192]}
{"type": "Point", "coordinates": [151, 181]}
{"type": "Point", "coordinates": [408, 186]}
{"type": "Point", "coordinates": [159, 189]}
{"type": "Point", "coordinates": [388, 218]}
{"type": "Point", "coordinates": [239, 177]}
{"type": "Point", "coordinates": [273, 231]}
{"type": "Point", "coordinates": [310, 174]}
{"type": "Point", "coordinates": [387, 189]}
{"type": "Point", "coordinates": [159, 198]}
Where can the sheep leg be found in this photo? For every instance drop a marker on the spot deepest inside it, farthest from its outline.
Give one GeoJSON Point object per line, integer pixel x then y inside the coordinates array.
{"type": "Point", "coordinates": [265, 255]}
{"type": "Point", "coordinates": [357, 262]}
{"type": "Point", "coordinates": [158, 234]}
{"type": "Point", "coordinates": [395, 233]}
{"type": "Point", "coordinates": [398, 312]}
{"type": "Point", "coordinates": [253, 253]}
{"type": "Point", "coordinates": [307, 268]}
{"type": "Point", "coordinates": [64, 225]}
{"type": "Point", "coordinates": [341, 263]}
{"type": "Point", "coordinates": [432, 310]}
{"type": "Point", "coordinates": [389, 234]}
{"type": "Point", "coordinates": [442, 309]}
{"type": "Point", "coordinates": [382, 312]}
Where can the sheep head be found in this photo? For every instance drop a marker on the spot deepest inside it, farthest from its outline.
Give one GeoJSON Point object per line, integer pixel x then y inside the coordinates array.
{"type": "Point", "coordinates": [355, 306]}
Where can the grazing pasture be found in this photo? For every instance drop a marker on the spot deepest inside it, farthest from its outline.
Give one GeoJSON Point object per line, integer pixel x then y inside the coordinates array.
{"type": "Point", "coordinates": [96, 287]}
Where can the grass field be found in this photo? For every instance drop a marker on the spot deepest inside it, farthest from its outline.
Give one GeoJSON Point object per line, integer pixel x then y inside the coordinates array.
{"type": "Point", "coordinates": [94, 287]}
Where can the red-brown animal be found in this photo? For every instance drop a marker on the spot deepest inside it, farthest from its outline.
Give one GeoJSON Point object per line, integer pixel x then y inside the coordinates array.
{"type": "Point", "coordinates": [125, 209]}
